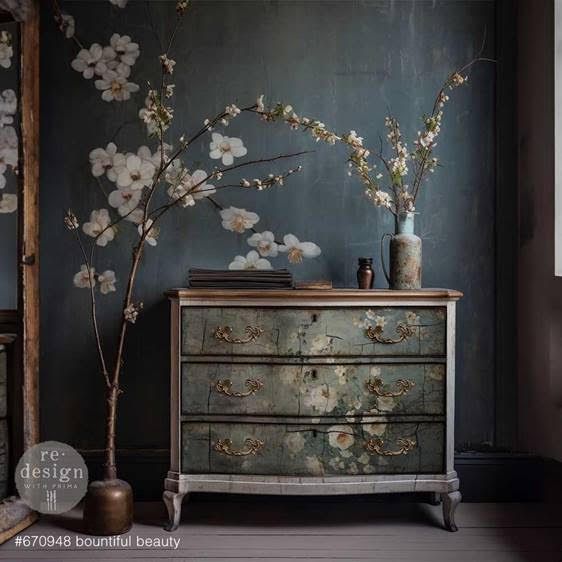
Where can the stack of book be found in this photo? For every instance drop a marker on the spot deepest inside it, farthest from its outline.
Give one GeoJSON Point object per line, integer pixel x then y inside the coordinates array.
{"type": "Point", "coordinates": [243, 279]}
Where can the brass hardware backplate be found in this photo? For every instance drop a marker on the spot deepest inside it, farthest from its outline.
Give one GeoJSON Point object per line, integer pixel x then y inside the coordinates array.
{"type": "Point", "coordinates": [224, 333]}
{"type": "Point", "coordinates": [224, 446]}
{"type": "Point", "coordinates": [225, 387]}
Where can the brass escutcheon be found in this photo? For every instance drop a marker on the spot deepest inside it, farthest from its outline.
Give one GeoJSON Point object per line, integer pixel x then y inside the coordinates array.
{"type": "Point", "coordinates": [375, 446]}
{"type": "Point", "coordinates": [224, 446]}
{"type": "Point", "coordinates": [224, 333]}
{"type": "Point", "coordinates": [225, 387]}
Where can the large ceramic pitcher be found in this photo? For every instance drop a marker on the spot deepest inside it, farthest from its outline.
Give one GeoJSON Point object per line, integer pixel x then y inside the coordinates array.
{"type": "Point", "coordinates": [405, 255]}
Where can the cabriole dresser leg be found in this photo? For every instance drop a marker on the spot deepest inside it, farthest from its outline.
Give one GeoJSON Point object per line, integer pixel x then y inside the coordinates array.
{"type": "Point", "coordinates": [173, 502]}
{"type": "Point", "coordinates": [450, 503]}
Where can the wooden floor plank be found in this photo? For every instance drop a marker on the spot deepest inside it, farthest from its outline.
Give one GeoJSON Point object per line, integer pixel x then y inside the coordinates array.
{"type": "Point", "coordinates": [274, 529]}
{"type": "Point", "coordinates": [381, 556]}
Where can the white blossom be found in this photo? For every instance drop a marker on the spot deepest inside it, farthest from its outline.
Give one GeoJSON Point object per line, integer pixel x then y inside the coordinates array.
{"type": "Point", "coordinates": [297, 250]}
{"type": "Point", "coordinates": [98, 224]}
{"type": "Point", "coordinates": [144, 153]}
{"type": "Point", "coordinates": [379, 198]}
{"type": "Point", "coordinates": [115, 87]}
{"type": "Point", "coordinates": [112, 61]}
{"type": "Point", "coordinates": [251, 261]}
{"type": "Point", "coordinates": [137, 216]}
{"type": "Point", "coordinates": [155, 114]}
{"type": "Point", "coordinates": [8, 203]}
{"type": "Point", "coordinates": [89, 61]}
{"type": "Point", "coordinates": [125, 48]}
{"type": "Point", "coordinates": [353, 140]}
{"type": "Point", "coordinates": [341, 436]}
{"type": "Point", "coordinates": [167, 64]}
{"type": "Point", "coordinates": [190, 187]}
{"type": "Point", "coordinates": [457, 80]}
{"type": "Point", "coordinates": [67, 25]}
{"type": "Point", "coordinates": [131, 312]}
{"type": "Point", "coordinates": [181, 7]}
{"type": "Point", "coordinates": [426, 139]}
{"type": "Point", "coordinates": [136, 173]}
{"type": "Point", "coordinates": [84, 278]}
{"type": "Point", "coordinates": [8, 107]}
{"type": "Point", "coordinates": [8, 152]}
{"type": "Point", "coordinates": [226, 148]}
{"type": "Point", "coordinates": [294, 442]}
{"type": "Point", "coordinates": [152, 232]}
{"type": "Point", "coordinates": [107, 281]}
{"type": "Point", "coordinates": [6, 50]}
{"type": "Point", "coordinates": [231, 111]}
{"type": "Point", "coordinates": [238, 220]}
{"type": "Point", "coordinates": [265, 244]}
{"type": "Point", "coordinates": [175, 171]}
{"type": "Point", "coordinates": [124, 200]}
{"type": "Point", "coordinates": [321, 399]}
{"type": "Point", "coordinates": [167, 148]}
{"type": "Point", "coordinates": [102, 161]}
{"type": "Point", "coordinates": [169, 90]}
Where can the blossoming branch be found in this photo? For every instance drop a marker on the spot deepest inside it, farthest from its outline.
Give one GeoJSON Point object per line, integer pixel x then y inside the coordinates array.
{"type": "Point", "coordinates": [394, 194]}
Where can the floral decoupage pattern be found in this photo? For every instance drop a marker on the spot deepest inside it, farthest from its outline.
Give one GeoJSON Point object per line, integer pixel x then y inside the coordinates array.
{"type": "Point", "coordinates": [315, 389]}
{"type": "Point", "coordinates": [318, 333]}
{"type": "Point", "coordinates": [315, 449]}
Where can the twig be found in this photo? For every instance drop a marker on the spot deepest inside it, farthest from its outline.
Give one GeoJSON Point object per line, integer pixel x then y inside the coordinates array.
{"type": "Point", "coordinates": [93, 309]}
{"type": "Point", "coordinates": [58, 16]}
{"type": "Point", "coordinates": [158, 212]}
{"type": "Point", "coordinates": [421, 167]}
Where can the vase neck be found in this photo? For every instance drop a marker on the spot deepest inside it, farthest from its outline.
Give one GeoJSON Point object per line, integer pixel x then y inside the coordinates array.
{"type": "Point", "coordinates": [405, 223]}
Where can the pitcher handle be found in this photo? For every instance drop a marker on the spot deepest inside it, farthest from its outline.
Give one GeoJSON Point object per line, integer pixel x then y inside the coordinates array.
{"type": "Point", "coordinates": [384, 270]}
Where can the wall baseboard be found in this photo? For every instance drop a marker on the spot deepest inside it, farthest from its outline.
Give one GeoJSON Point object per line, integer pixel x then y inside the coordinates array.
{"type": "Point", "coordinates": [485, 477]}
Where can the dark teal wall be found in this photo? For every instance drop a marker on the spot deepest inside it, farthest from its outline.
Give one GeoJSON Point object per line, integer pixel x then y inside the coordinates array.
{"type": "Point", "coordinates": [342, 61]}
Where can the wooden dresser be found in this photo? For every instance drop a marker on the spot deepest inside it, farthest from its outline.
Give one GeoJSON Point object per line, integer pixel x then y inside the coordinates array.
{"type": "Point", "coordinates": [312, 392]}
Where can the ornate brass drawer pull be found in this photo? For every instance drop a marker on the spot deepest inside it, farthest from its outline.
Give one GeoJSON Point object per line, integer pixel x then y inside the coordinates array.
{"type": "Point", "coordinates": [375, 446]}
{"type": "Point", "coordinates": [225, 387]}
{"type": "Point", "coordinates": [224, 446]}
{"type": "Point", "coordinates": [224, 333]}
{"type": "Point", "coordinates": [404, 331]}
{"type": "Point", "coordinates": [403, 386]}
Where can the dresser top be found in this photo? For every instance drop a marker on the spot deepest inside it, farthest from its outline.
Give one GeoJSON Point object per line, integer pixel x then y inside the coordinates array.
{"type": "Point", "coordinates": [344, 295]}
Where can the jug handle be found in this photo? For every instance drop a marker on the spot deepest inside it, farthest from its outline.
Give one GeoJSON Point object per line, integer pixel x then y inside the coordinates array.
{"type": "Point", "coordinates": [384, 270]}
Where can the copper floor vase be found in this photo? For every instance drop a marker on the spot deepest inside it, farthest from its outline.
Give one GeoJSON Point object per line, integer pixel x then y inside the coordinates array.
{"type": "Point", "coordinates": [108, 508]}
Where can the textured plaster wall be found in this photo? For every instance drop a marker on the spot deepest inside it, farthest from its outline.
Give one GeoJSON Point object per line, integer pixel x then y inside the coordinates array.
{"type": "Point", "coordinates": [345, 62]}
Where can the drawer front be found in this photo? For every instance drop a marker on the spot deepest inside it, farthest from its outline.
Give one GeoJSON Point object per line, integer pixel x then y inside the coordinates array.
{"type": "Point", "coordinates": [392, 331]}
{"type": "Point", "coordinates": [312, 450]}
{"type": "Point", "coordinates": [312, 390]}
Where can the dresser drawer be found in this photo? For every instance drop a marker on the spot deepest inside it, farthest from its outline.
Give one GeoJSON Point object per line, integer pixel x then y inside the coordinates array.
{"type": "Point", "coordinates": [312, 390]}
{"type": "Point", "coordinates": [313, 449]}
{"type": "Point", "coordinates": [392, 331]}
